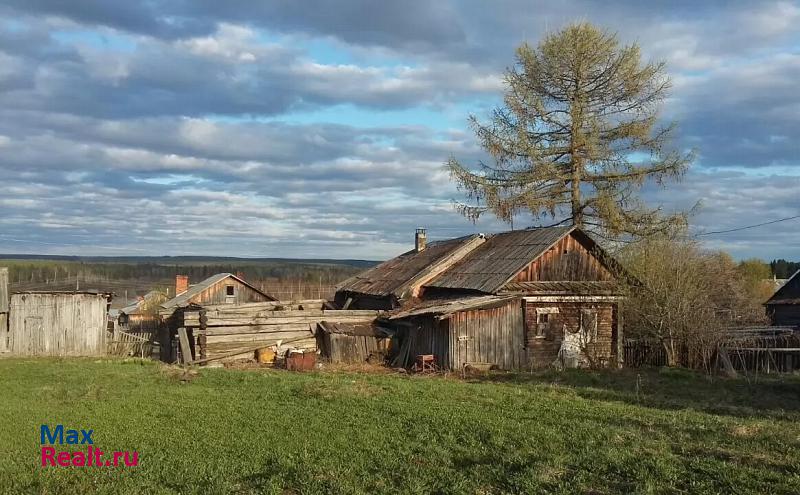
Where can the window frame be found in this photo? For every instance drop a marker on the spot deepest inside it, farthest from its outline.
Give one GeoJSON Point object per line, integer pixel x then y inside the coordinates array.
{"type": "Point", "coordinates": [541, 327]}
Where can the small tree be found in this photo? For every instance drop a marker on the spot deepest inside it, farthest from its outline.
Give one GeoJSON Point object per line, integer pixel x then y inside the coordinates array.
{"type": "Point", "coordinates": [687, 297]}
{"type": "Point", "coordinates": [757, 277]}
{"type": "Point", "coordinates": [576, 138]}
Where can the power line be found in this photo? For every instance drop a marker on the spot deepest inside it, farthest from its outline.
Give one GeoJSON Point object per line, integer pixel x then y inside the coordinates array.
{"type": "Point", "coordinates": [748, 226]}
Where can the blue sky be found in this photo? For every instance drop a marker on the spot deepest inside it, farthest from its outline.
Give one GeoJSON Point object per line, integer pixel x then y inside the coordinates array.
{"type": "Point", "coordinates": [320, 130]}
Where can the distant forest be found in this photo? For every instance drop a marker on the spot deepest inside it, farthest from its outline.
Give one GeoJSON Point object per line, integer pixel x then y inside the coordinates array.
{"type": "Point", "coordinates": [134, 276]}
{"type": "Point", "coordinates": [784, 269]}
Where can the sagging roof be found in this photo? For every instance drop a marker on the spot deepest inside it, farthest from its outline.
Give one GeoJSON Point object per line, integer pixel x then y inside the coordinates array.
{"type": "Point", "coordinates": [363, 329]}
{"type": "Point", "coordinates": [138, 306]}
{"type": "Point", "coordinates": [444, 308]}
{"type": "Point", "coordinates": [183, 299]}
{"type": "Point", "coordinates": [395, 275]}
{"type": "Point", "coordinates": [489, 266]}
{"type": "Point", "coordinates": [559, 288]}
{"type": "Point", "coordinates": [789, 293]}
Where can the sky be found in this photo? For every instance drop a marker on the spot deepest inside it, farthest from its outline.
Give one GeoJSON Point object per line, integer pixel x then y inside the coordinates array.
{"type": "Point", "coordinates": [320, 128]}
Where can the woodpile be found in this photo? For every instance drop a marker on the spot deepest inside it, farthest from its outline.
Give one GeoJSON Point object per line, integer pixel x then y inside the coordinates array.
{"type": "Point", "coordinates": [235, 331]}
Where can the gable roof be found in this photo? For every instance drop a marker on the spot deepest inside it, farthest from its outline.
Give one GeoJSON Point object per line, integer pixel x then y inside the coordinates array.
{"type": "Point", "coordinates": [489, 266]}
{"type": "Point", "coordinates": [789, 293]}
{"type": "Point", "coordinates": [184, 298]}
{"type": "Point", "coordinates": [393, 276]}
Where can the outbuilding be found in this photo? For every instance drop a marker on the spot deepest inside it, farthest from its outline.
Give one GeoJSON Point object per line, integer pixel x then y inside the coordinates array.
{"type": "Point", "coordinates": [58, 323]}
{"type": "Point", "coordinates": [783, 308]}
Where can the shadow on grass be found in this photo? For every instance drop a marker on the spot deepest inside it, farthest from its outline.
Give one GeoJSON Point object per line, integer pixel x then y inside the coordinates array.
{"type": "Point", "coordinates": [671, 388]}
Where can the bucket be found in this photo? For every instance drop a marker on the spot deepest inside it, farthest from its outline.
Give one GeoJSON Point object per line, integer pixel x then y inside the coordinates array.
{"type": "Point", "coordinates": [265, 355]}
{"type": "Point", "coordinates": [301, 361]}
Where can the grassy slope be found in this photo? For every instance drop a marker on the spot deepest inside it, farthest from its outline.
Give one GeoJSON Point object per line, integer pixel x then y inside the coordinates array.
{"type": "Point", "coordinates": [279, 432]}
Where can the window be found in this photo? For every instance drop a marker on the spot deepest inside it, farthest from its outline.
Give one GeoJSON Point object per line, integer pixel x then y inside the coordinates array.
{"type": "Point", "coordinates": [230, 290]}
{"type": "Point", "coordinates": [545, 317]}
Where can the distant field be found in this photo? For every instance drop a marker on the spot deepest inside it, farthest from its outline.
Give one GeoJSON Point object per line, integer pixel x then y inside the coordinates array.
{"type": "Point", "coordinates": [278, 432]}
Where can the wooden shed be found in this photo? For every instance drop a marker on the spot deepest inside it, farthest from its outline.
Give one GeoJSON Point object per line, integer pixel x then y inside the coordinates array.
{"type": "Point", "coordinates": [516, 300]}
{"type": "Point", "coordinates": [783, 308]}
{"type": "Point", "coordinates": [353, 343]}
{"type": "Point", "coordinates": [58, 323]}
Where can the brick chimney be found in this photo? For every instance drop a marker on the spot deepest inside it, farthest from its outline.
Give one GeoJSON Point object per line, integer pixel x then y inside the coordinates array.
{"type": "Point", "coordinates": [420, 239]}
{"type": "Point", "coordinates": [181, 284]}
{"type": "Point", "coordinates": [240, 275]}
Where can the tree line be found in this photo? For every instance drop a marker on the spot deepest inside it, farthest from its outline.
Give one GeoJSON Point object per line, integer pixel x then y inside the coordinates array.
{"type": "Point", "coordinates": [45, 272]}
{"type": "Point", "coordinates": [783, 269]}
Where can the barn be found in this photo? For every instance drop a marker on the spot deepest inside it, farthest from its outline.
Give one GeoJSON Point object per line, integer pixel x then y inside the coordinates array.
{"type": "Point", "coordinates": [58, 323]}
{"type": "Point", "coordinates": [513, 300]}
{"type": "Point", "coordinates": [783, 308]}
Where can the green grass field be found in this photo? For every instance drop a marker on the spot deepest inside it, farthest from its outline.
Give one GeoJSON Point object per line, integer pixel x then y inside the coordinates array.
{"type": "Point", "coordinates": [278, 432]}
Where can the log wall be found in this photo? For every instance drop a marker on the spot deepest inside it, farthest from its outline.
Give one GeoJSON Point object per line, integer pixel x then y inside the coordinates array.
{"type": "Point", "coordinates": [225, 329]}
{"type": "Point", "coordinates": [543, 351]}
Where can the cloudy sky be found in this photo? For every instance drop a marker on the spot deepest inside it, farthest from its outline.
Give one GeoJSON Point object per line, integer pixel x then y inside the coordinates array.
{"type": "Point", "coordinates": [319, 128]}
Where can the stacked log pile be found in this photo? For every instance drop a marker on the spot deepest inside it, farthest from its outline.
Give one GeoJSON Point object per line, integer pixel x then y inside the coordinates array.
{"type": "Point", "coordinates": [222, 330]}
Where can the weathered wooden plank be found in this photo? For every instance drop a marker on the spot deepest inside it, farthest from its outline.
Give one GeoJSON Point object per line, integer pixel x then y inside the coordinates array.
{"type": "Point", "coordinates": [267, 305]}
{"type": "Point", "coordinates": [186, 350]}
{"type": "Point", "coordinates": [222, 322]}
{"type": "Point", "coordinates": [256, 337]}
{"type": "Point", "coordinates": [301, 327]}
{"type": "Point", "coordinates": [4, 290]}
{"type": "Point", "coordinates": [192, 318]}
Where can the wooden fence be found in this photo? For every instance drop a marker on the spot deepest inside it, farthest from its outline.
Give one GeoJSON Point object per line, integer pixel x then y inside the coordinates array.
{"type": "Point", "coordinates": [638, 353]}
{"type": "Point", "coordinates": [137, 338]}
{"type": "Point", "coordinates": [749, 350]}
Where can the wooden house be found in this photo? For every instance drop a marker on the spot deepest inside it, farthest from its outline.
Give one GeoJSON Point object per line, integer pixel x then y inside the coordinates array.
{"type": "Point", "coordinates": [783, 308]}
{"type": "Point", "coordinates": [58, 323]}
{"type": "Point", "coordinates": [222, 288]}
{"type": "Point", "coordinates": [516, 300]}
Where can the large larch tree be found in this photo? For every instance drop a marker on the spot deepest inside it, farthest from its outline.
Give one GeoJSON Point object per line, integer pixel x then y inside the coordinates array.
{"type": "Point", "coordinates": [576, 139]}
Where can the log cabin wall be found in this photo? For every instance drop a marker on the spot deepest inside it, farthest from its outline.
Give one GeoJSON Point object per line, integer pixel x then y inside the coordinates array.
{"type": "Point", "coordinates": [543, 347]}
{"type": "Point", "coordinates": [568, 259]}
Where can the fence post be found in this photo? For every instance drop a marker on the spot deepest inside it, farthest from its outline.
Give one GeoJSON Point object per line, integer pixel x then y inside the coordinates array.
{"type": "Point", "coordinates": [4, 330]}
{"type": "Point", "coordinates": [620, 338]}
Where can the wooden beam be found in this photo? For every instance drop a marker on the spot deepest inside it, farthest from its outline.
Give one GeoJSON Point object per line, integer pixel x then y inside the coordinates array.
{"type": "Point", "coordinates": [186, 350]}
{"type": "Point", "coordinates": [620, 337]}
{"type": "Point", "coordinates": [240, 351]}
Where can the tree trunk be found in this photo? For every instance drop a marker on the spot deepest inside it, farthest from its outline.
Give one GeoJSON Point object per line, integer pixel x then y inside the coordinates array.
{"type": "Point", "coordinates": [669, 347]}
